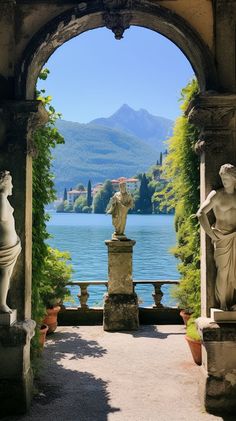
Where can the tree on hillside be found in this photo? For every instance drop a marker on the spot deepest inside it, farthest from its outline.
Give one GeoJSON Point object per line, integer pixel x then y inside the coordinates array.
{"type": "Point", "coordinates": [80, 187]}
{"type": "Point", "coordinates": [65, 195]}
{"type": "Point", "coordinates": [145, 202]}
{"type": "Point", "coordinates": [89, 194]}
{"type": "Point", "coordinates": [161, 158]}
{"type": "Point", "coordinates": [79, 204]}
{"type": "Point", "coordinates": [102, 198]}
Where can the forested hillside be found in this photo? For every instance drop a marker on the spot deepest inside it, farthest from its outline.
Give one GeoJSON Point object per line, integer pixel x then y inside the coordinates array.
{"type": "Point", "coordinates": [98, 153]}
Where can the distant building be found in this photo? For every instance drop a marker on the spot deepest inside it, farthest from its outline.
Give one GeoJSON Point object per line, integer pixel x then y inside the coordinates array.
{"type": "Point", "coordinates": [131, 183]}
{"type": "Point", "coordinates": [72, 195]}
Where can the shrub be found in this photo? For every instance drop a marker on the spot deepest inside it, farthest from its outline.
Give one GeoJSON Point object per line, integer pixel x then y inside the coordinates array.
{"type": "Point", "coordinates": [181, 170]}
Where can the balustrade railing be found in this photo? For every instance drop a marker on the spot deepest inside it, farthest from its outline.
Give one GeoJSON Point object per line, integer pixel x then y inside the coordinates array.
{"type": "Point", "coordinates": [157, 294]}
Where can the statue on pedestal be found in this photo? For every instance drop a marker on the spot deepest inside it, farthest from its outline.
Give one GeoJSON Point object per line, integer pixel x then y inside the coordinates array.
{"type": "Point", "coordinates": [10, 246]}
{"type": "Point", "coordinates": [223, 235]}
{"type": "Point", "coordinates": [118, 207]}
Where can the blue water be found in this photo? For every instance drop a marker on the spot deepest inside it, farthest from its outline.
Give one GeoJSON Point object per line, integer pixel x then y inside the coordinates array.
{"type": "Point", "coordinates": [83, 235]}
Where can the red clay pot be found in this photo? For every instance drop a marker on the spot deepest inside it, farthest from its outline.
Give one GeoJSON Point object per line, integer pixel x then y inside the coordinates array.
{"type": "Point", "coordinates": [185, 316]}
{"type": "Point", "coordinates": [51, 318]}
{"type": "Point", "coordinates": [42, 334]}
{"type": "Point", "coordinates": [196, 349]}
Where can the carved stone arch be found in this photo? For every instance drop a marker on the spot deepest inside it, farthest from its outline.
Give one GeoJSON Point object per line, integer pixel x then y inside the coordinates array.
{"type": "Point", "coordinates": [112, 13]}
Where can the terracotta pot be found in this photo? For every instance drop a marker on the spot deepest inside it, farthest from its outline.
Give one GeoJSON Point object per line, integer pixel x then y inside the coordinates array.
{"type": "Point", "coordinates": [196, 349]}
{"type": "Point", "coordinates": [42, 334]}
{"type": "Point", "coordinates": [51, 318]}
{"type": "Point", "coordinates": [185, 316]}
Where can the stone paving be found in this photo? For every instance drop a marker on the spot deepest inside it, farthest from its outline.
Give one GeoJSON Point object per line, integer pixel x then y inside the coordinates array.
{"type": "Point", "coordinates": [89, 374]}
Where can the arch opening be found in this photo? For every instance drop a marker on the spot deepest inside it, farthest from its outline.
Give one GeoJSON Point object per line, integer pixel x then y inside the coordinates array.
{"type": "Point", "coordinates": [74, 22]}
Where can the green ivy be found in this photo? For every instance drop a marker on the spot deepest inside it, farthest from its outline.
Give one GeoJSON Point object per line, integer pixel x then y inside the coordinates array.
{"type": "Point", "coordinates": [45, 139]}
{"type": "Point", "coordinates": [182, 193]}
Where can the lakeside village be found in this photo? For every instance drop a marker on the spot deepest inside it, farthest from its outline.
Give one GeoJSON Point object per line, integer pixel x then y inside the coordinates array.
{"type": "Point", "coordinates": [147, 190]}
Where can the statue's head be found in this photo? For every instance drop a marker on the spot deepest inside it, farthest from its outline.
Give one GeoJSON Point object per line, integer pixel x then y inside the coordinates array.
{"type": "Point", "coordinates": [228, 174]}
{"type": "Point", "coordinates": [5, 182]}
{"type": "Point", "coordinates": [122, 186]}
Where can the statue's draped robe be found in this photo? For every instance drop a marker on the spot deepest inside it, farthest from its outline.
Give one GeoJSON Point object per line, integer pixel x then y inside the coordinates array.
{"type": "Point", "coordinates": [225, 259]}
{"type": "Point", "coordinates": [8, 255]}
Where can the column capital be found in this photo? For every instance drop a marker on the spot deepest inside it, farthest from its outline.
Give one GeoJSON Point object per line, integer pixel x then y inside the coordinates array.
{"type": "Point", "coordinates": [212, 110]}
{"type": "Point", "coordinates": [19, 119]}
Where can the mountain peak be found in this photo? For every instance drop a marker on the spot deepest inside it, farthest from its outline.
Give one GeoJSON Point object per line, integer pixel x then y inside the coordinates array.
{"type": "Point", "coordinates": [124, 108]}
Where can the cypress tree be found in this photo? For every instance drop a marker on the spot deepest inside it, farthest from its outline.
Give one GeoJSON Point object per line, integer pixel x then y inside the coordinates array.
{"type": "Point", "coordinates": [160, 158]}
{"type": "Point", "coordinates": [89, 194]}
{"type": "Point", "coordinates": [145, 197]}
{"type": "Point", "coordinates": [65, 195]}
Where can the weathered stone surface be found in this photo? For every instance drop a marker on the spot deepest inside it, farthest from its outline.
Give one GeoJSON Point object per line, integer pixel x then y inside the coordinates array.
{"type": "Point", "coordinates": [8, 319]}
{"type": "Point", "coordinates": [120, 312]}
{"type": "Point", "coordinates": [218, 393]}
{"type": "Point", "coordinates": [218, 372]}
{"type": "Point", "coordinates": [15, 371]}
{"type": "Point", "coordinates": [120, 266]}
{"type": "Point", "coordinates": [220, 316]}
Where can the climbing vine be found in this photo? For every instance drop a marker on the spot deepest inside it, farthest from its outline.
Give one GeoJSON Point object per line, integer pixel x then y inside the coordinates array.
{"type": "Point", "coordinates": [182, 193]}
{"type": "Point", "coordinates": [45, 139]}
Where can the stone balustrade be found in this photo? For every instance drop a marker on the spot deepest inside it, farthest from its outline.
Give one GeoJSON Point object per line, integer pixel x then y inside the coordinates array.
{"type": "Point", "coordinates": [84, 314]}
{"type": "Point", "coordinates": [157, 294]}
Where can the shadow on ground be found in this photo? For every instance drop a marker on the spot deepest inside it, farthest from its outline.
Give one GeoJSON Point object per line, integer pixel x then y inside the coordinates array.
{"type": "Point", "coordinates": [63, 391]}
{"type": "Point", "coordinates": [151, 331]}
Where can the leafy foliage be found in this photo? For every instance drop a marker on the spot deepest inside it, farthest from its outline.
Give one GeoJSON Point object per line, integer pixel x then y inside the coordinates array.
{"type": "Point", "coordinates": [80, 203]}
{"type": "Point", "coordinates": [45, 139]}
{"type": "Point", "coordinates": [54, 278]}
{"type": "Point", "coordinates": [145, 203]}
{"type": "Point", "coordinates": [181, 170]}
{"type": "Point", "coordinates": [191, 330]}
{"type": "Point", "coordinates": [102, 198]}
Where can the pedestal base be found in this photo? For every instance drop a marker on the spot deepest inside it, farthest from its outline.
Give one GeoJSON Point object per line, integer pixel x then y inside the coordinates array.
{"type": "Point", "coordinates": [218, 372]}
{"type": "Point", "coordinates": [221, 316]}
{"type": "Point", "coordinates": [120, 312]}
{"type": "Point", "coordinates": [15, 371]}
{"type": "Point", "coordinates": [8, 319]}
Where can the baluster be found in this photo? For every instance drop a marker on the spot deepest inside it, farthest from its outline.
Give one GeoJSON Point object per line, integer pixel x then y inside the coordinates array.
{"type": "Point", "coordinates": [83, 296]}
{"type": "Point", "coordinates": [157, 295]}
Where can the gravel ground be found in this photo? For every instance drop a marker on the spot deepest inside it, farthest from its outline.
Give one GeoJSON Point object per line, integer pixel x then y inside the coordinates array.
{"type": "Point", "coordinates": [89, 374]}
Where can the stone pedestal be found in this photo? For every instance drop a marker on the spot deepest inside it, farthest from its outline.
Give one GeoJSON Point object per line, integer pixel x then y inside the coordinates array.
{"type": "Point", "coordinates": [8, 319]}
{"type": "Point", "coordinates": [218, 371]}
{"type": "Point", "coordinates": [15, 371]}
{"type": "Point", "coordinates": [220, 316]}
{"type": "Point", "coordinates": [121, 303]}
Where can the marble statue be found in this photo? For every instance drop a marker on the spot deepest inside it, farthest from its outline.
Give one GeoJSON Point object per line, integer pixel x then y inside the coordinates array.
{"type": "Point", "coordinates": [118, 207]}
{"type": "Point", "coordinates": [10, 246]}
{"type": "Point", "coordinates": [223, 235]}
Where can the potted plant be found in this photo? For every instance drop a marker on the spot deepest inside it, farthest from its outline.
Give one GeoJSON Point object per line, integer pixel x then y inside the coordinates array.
{"type": "Point", "coordinates": [182, 298]}
{"type": "Point", "coordinates": [194, 341]}
{"type": "Point", "coordinates": [53, 290]}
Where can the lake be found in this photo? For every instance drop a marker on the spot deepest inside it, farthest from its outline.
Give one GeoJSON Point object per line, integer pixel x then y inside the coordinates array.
{"type": "Point", "coordinates": [83, 235]}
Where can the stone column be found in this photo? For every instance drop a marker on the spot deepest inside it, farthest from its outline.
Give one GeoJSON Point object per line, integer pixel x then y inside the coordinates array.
{"type": "Point", "coordinates": [215, 114]}
{"type": "Point", "coordinates": [121, 303]}
{"type": "Point", "coordinates": [18, 119]}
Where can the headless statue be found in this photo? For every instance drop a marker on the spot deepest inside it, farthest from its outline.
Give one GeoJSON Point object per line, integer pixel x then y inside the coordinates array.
{"type": "Point", "coordinates": [118, 207]}
{"type": "Point", "coordinates": [223, 235]}
{"type": "Point", "coordinates": [10, 246]}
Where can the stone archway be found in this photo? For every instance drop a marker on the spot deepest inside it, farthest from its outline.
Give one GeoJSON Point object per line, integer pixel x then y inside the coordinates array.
{"type": "Point", "coordinates": [31, 30]}
{"type": "Point", "coordinates": [117, 16]}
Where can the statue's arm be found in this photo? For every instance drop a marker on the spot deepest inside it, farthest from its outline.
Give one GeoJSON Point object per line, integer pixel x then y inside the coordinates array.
{"type": "Point", "coordinates": [205, 207]}
{"type": "Point", "coordinates": [3, 208]}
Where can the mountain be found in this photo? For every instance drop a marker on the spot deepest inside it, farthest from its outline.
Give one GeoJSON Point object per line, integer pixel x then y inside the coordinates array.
{"type": "Point", "coordinates": [124, 144]}
{"type": "Point", "coordinates": [98, 153]}
{"type": "Point", "coordinates": [153, 130]}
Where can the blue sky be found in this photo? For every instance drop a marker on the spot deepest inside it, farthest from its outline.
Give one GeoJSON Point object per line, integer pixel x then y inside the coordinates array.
{"type": "Point", "coordinates": [93, 74]}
